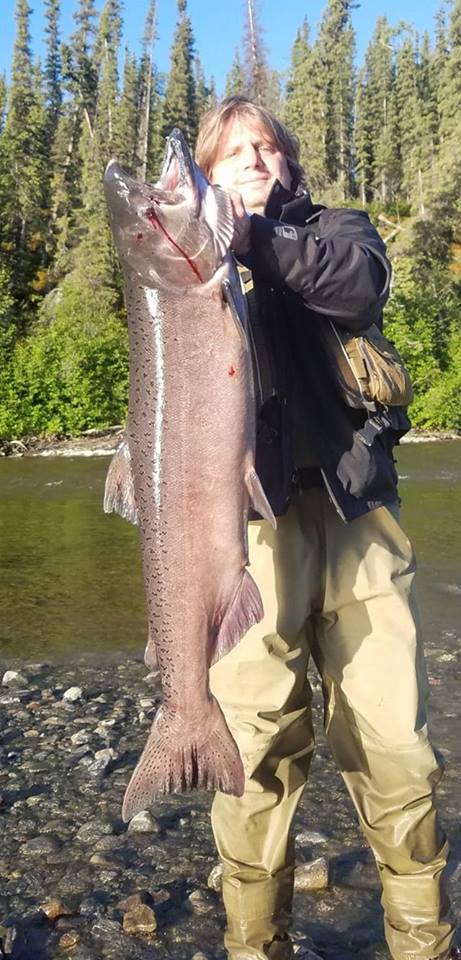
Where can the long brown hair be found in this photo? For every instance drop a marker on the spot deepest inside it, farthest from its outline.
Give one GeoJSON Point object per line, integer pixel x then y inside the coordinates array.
{"type": "Point", "coordinates": [215, 121]}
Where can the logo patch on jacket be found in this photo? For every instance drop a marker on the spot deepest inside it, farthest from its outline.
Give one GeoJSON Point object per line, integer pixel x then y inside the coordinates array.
{"type": "Point", "coordinates": [287, 232]}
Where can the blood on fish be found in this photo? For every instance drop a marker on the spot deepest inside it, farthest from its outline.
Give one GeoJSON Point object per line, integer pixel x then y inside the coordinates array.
{"type": "Point", "coordinates": [232, 371]}
{"type": "Point", "coordinates": [156, 222]}
{"type": "Point", "coordinates": [139, 237]}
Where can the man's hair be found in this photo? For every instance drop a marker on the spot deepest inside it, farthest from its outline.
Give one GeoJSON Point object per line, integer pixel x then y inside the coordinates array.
{"type": "Point", "coordinates": [215, 120]}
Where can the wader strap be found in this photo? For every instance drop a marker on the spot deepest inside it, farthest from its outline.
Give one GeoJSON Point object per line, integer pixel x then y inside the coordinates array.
{"type": "Point", "coordinates": [373, 427]}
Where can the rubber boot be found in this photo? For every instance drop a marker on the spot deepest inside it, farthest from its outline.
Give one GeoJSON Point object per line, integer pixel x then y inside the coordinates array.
{"type": "Point", "coordinates": [257, 939]}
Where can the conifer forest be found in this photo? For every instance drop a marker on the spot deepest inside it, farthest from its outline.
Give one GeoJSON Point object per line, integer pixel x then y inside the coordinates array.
{"type": "Point", "coordinates": [383, 134]}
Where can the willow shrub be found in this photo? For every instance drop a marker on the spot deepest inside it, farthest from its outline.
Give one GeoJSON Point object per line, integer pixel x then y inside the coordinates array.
{"type": "Point", "coordinates": [70, 373]}
{"type": "Point", "coordinates": [424, 322]}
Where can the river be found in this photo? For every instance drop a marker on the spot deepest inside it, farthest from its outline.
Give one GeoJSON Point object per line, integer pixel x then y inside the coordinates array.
{"type": "Point", "coordinates": [70, 579]}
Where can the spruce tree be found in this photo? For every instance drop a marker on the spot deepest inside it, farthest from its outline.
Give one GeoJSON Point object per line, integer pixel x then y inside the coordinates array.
{"type": "Point", "coordinates": [53, 84]}
{"type": "Point", "coordinates": [147, 91]}
{"type": "Point", "coordinates": [236, 82]}
{"type": "Point", "coordinates": [409, 119]}
{"type": "Point", "coordinates": [180, 106]}
{"type": "Point", "coordinates": [255, 62]}
{"type": "Point", "coordinates": [25, 153]}
{"type": "Point", "coordinates": [336, 46]}
{"type": "Point", "coordinates": [127, 111]}
{"type": "Point", "coordinates": [380, 157]}
{"type": "Point", "coordinates": [363, 139]}
{"type": "Point", "coordinates": [205, 92]}
{"type": "Point", "coordinates": [304, 111]}
{"type": "Point", "coordinates": [450, 106]}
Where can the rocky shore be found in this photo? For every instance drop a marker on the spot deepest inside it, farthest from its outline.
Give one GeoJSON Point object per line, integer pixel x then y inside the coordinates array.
{"type": "Point", "coordinates": [75, 881]}
{"type": "Point", "coordinates": [103, 442]}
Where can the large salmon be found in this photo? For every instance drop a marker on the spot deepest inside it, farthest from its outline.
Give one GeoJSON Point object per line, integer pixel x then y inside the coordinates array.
{"type": "Point", "coordinates": [186, 470]}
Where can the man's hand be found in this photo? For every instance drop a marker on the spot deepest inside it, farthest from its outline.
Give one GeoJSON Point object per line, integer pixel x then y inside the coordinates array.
{"type": "Point", "coordinates": [241, 241]}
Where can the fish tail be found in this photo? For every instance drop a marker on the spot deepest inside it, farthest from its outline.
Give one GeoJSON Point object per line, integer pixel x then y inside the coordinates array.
{"type": "Point", "coordinates": [176, 760]}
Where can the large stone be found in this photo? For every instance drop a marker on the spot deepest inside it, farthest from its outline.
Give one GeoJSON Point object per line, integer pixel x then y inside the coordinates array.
{"type": "Point", "coordinates": [102, 762]}
{"type": "Point", "coordinates": [131, 902]}
{"type": "Point", "coordinates": [93, 830]}
{"type": "Point", "coordinates": [143, 822]}
{"type": "Point", "coordinates": [140, 921]}
{"type": "Point", "coordinates": [310, 838]}
{"type": "Point", "coordinates": [40, 846]}
{"type": "Point", "coordinates": [72, 694]}
{"type": "Point", "coordinates": [201, 902]}
{"type": "Point", "coordinates": [312, 876]}
{"type": "Point", "coordinates": [80, 738]}
{"type": "Point", "coordinates": [13, 678]}
{"type": "Point", "coordinates": [68, 940]}
{"type": "Point", "coordinates": [215, 878]}
{"type": "Point", "coordinates": [54, 909]}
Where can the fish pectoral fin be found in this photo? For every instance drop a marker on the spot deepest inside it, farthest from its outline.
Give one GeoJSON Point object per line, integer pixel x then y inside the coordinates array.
{"type": "Point", "coordinates": [180, 757]}
{"type": "Point", "coordinates": [220, 217]}
{"type": "Point", "coordinates": [244, 610]}
{"type": "Point", "coordinates": [150, 653]}
{"type": "Point", "coordinates": [258, 498]}
{"type": "Point", "coordinates": [119, 490]}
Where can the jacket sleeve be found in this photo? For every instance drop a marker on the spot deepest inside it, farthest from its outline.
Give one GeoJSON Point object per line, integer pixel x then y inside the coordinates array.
{"type": "Point", "coordinates": [338, 265]}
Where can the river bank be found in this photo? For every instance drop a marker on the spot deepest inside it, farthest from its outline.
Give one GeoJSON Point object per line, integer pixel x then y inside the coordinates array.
{"type": "Point", "coordinates": [93, 443]}
{"type": "Point", "coordinates": [76, 881]}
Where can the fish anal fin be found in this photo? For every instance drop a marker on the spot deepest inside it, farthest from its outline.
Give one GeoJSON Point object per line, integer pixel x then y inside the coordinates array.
{"type": "Point", "coordinates": [244, 611]}
{"type": "Point", "coordinates": [178, 758]}
{"type": "Point", "coordinates": [119, 494]}
{"type": "Point", "coordinates": [258, 498]}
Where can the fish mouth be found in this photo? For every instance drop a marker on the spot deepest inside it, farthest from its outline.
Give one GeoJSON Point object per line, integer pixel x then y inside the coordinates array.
{"type": "Point", "coordinates": [180, 173]}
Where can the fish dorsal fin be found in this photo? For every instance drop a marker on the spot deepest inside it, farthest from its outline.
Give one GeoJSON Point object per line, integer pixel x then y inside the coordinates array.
{"type": "Point", "coordinates": [220, 218]}
{"type": "Point", "coordinates": [258, 498]}
{"type": "Point", "coordinates": [119, 490]}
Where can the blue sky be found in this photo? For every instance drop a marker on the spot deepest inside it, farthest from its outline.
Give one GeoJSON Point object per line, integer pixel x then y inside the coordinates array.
{"type": "Point", "coordinates": [218, 26]}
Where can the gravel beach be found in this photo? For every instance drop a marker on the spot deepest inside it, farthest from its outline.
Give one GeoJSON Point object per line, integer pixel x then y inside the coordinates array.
{"type": "Point", "coordinates": [75, 881]}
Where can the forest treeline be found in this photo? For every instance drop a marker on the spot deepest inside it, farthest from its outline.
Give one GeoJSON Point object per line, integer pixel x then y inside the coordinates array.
{"type": "Point", "coordinates": [384, 135]}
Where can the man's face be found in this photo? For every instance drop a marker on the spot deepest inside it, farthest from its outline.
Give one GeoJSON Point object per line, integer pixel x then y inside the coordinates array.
{"type": "Point", "coordinates": [249, 161]}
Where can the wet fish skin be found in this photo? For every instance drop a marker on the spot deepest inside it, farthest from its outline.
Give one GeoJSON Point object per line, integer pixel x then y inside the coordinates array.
{"type": "Point", "coordinates": [188, 465]}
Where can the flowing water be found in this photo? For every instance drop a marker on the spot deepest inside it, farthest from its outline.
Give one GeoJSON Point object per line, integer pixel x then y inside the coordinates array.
{"type": "Point", "coordinates": [70, 577]}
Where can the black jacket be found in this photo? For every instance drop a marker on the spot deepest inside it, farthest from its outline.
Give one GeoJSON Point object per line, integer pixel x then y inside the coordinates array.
{"type": "Point", "coordinates": [326, 263]}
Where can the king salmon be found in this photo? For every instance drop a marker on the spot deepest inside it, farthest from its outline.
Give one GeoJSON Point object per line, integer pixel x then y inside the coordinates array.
{"type": "Point", "coordinates": [185, 471]}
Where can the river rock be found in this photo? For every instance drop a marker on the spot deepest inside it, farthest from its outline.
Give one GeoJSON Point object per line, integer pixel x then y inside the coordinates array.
{"type": "Point", "coordinates": [143, 822]}
{"type": "Point", "coordinates": [215, 878]}
{"type": "Point", "coordinates": [68, 940]}
{"type": "Point", "coordinates": [13, 678]}
{"type": "Point", "coordinates": [80, 738]}
{"type": "Point", "coordinates": [13, 942]}
{"type": "Point", "coordinates": [102, 762]}
{"type": "Point", "coordinates": [140, 921]}
{"type": "Point", "coordinates": [72, 694]}
{"type": "Point", "coordinates": [305, 953]}
{"type": "Point", "coordinates": [40, 846]}
{"type": "Point", "coordinates": [54, 909]}
{"type": "Point", "coordinates": [312, 876]}
{"type": "Point", "coordinates": [93, 830]}
{"type": "Point", "coordinates": [131, 902]}
{"type": "Point", "coordinates": [310, 838]}
{"type": "Point", "coordinates": [200, 902]}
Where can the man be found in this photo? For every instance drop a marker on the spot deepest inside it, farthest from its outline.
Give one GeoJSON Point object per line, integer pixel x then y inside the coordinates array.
{"type": "Point", "coordinates": [336, 577]}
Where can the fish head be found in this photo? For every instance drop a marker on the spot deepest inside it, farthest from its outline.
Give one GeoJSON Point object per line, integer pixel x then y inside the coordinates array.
{"type": "Point", "coordinates": [175, 233]}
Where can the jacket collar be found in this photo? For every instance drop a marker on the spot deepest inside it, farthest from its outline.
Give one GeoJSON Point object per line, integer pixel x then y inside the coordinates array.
{"type": "Point", "coordinates": [290, 206]}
